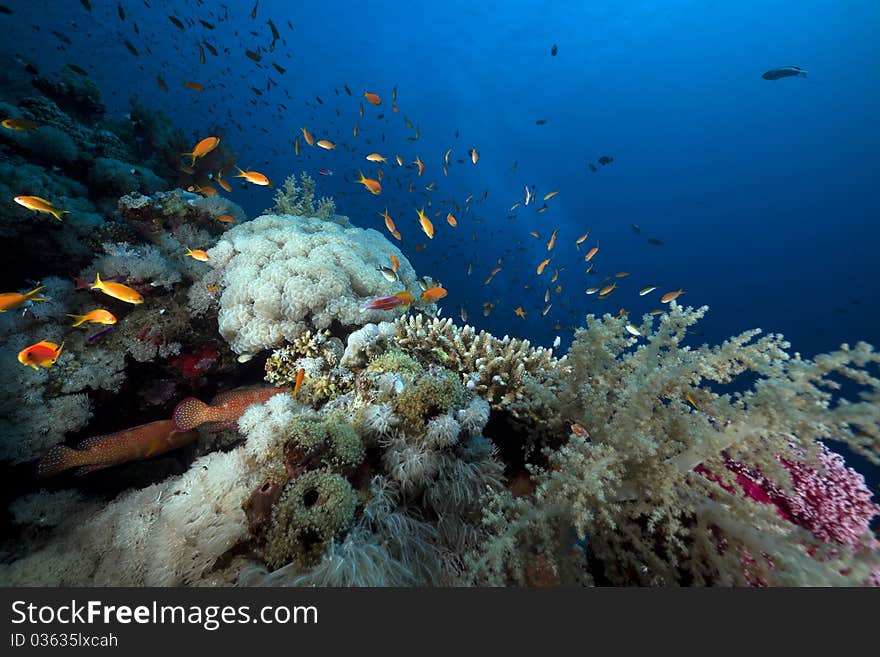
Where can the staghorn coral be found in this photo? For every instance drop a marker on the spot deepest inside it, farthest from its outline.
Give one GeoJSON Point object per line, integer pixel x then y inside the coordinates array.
{"type": "Point", "coordinates": [501, 371]}
{"type": "Point", "coordinates": [299, 200]}
{"type": "Point", "coordinates": [631, 490]}
{"type": "Point", "coordinates": [283, 275]}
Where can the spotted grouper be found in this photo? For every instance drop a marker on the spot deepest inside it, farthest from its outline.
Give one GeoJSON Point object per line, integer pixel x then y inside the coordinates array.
{"type": "Point", "coordinates": [224, 409]}
{"type": "Point", "coordinates": [100, 452]}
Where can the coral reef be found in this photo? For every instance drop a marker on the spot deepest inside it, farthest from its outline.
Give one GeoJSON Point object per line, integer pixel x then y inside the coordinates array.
{"type": "Point", "coordinates": [283, 275]}
{"type": "Point", "coordinates": [298, 199]}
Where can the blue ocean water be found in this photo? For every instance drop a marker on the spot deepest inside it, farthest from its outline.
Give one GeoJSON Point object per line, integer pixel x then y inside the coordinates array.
{"type": "Point", "coordinates": [761, 191]}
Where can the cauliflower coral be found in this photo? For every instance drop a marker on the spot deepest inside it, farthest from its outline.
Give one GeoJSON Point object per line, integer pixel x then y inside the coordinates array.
{"type": "Point", "coordinates": [283, 274]}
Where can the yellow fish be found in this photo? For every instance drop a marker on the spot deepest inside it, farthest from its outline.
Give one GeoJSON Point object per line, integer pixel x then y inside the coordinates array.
{"type": "Point", "coordinates": [427, 226]}
{"type": "Point", "coordinates": [198, 254]}
{"type": "Point", "coordinates": [12, 300]}
{"type": "Point", "coordinates": [117, 291]}
{"type": "Point", "coordinates": [97, 316]}
{"type": "Point", "coordinates": [40, 205]}
{"type": "Point", "coordinates": [19, 125]}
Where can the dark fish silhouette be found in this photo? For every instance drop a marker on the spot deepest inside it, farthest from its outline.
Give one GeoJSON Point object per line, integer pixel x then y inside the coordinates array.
{"type": "Point", "coordinates": [554, 50]}
{"type": "Point", "coordinates": [784, 72]}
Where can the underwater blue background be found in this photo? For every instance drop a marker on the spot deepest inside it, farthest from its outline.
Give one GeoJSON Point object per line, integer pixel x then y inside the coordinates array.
{"type": "Point", "coordinates": [763, 192]}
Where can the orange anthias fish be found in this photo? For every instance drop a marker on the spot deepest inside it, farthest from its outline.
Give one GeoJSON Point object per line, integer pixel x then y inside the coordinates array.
{"type": "Point", "coordinates": [225, 218]}
{"type": "Point", "coordinates": [520, 312]}
{"type": "Point", "coordinates": [97, 316]}
{"type": "Point", "coordinates": [299, 379]}
{"type": "Point", "coordinates": [194, 86]}
{"type": "Point", "coordinates": [100, 452]}
{"type": "Point", "coordinates": [669, 296]}
{"type": "Point", "coordinates": [579, 430]}
{"type": "Point", "coordinates": [552, 241]}
{"type": "Point", "coordinates": [253, 177]}
{"type": "Point", "coordinates": [201, 149]}
{"type": "Point", "coordinates": [375, 157]}
{"type": "Point", "coordinates": [12, 300]}
{"type": "Point", "coordinates": [374, 186]}
{"type": "Point", "coordinates": [395, 263]}
{"type": "Point", "coordinates": [326, 144]}
{"type": "Point", "coordinates": [491, 275]}
{"type": "Point", "coordinates": [541, 266]}
{"type": "Point", "coordinates": [427, 226]}
{"type": "Point", "coordinates": [433, 294]}
{"type": "Point", "coordinates": [225, 185]}
{"type": "Point", "coordinates": [198, 254]}
{"type": "Point", "coordinates": [310, 140]}
{"type": "Point", "coordinates": [591, 253]}
{"type": "Point", "coordinates": [421, 165]}
{"type": "Point", "coordinates": [387, 303]}
{"type": "Point", "coordinates": [42, 354]}
{"type": "Point", "coordinates": [450, 219]}
{"type": "Point", "coordinates": [117, 290]}
{"type": "Point", "coordinates": [475, 155]}
{"type": "Point", "coordinates": [225, 408]}
{"type": "Point", "coordinates": [372, 98]}
{"type": "Point", "coordinates": [38, 204]}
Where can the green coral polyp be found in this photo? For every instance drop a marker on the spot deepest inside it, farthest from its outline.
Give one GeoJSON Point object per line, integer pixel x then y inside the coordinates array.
{"type": "Point", "coordinates": [395, 360]}
{"type": "Point", "coordinates": [344, 448]}
{"type": "Point", "coordinates": [429, 395]}
{"type": "Point", "coordinates": [314, 509]}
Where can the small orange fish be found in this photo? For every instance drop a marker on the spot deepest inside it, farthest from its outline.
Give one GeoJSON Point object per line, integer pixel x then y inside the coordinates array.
{"type": "Point", "coordinates": [451, 220]}
{"type": "Point", "coordinates": [206, 190]}
{"type": "Point", "coordinates": [550, 195]}
{"type": "Point", "coordinates": [395, 263]}
{"type": "Point", "coordinates": [296, 146]}
{"type": "Point", "coordinates": [555, 277]}
{"type": "Point", "coordinates": [38, 204]}
{"type": "Point", "coordinates": [225, 219]}
{"type": "Point", "coordinates": [421, 165]}
{"type": "Point", "coordinates": [541, 266]}
{"type": "Point", "coordinates": [194, 86]}
{"type": "Point", "coordinates": [12, 300]}
{"type": "Point", "coordinates": [372, 98]}
{"type": "Point", "coordinates": [389, 222]}
{"type": "Point", "coordinates": [198, 254]}
{"type": "Point", "coordinates": [580, 240]}
{"type": "Point", "coordinates": [552, 241]}
{"type": "Point", "coordinates": [187, 170]}
{"type": "Point", "coordinates": [97, 316]}
{"type": "Point", "coordinates": [117, 290]}
{"type": "Point", "coordinates": [201, 149]}
{"type": "Point", "coordinates": [354, 131]}
{"type": "Point", "coordinates": [520, 312]}
{"type": "Point", "coordinates": [621, 274]}
{"type": "Point", "coordinates": [591, 253]}
{"type": "Point", "coordinates": [299, 379]}
{"type": "Point", "coordinates": [433, 294]}
{"type": "Point", "coordinates": [43, 354]}
{"type": "Point", "coordinates": [310, 140]}
{"type": "Point", "coordinates": [535, 234]}
{"type": "Point", "coordinates": [101, 452]}
{"type": "Point", "coordinates": [18, 125]}
{"type": "Point", "coordinates": [475, 155]}
{"type": "Point", "coordinates": [326, 144]}
{"type": "Point", "coordinates": [396, 235]}
{"type": "Point", "coordinates": [669, 296]}
{"type": "Point", "coordinates": [375, 157]}
{"type": "Point", "coordinates": [225, 408]}
{"type": "Point", "coordinates": [373, 185]}
{"type": "Point", "coordinates": [253, 177]}
{"type": "Point", "coordinates": [491, 275]}
{"type": "Point", "coordinates": [608, 289]}
{"type": "Point", "coordinates": [399, 160]}
{"type": "Point", "coordinates": [161, 83]}
{"type": "Point", "coordinates": [225, 185]}
{"type": "Point", "coordinates": [427, 226]}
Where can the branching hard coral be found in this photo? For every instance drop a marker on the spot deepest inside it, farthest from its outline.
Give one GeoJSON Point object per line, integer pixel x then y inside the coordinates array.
{"type": "Point", "coordinates": [299, 200]}
{"type": "Point", "coordinates": [283, 275]}
{"type": "Point", "coordinates": [631, 490]}
{"type": "Point", "coordinates": [499, 370]}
